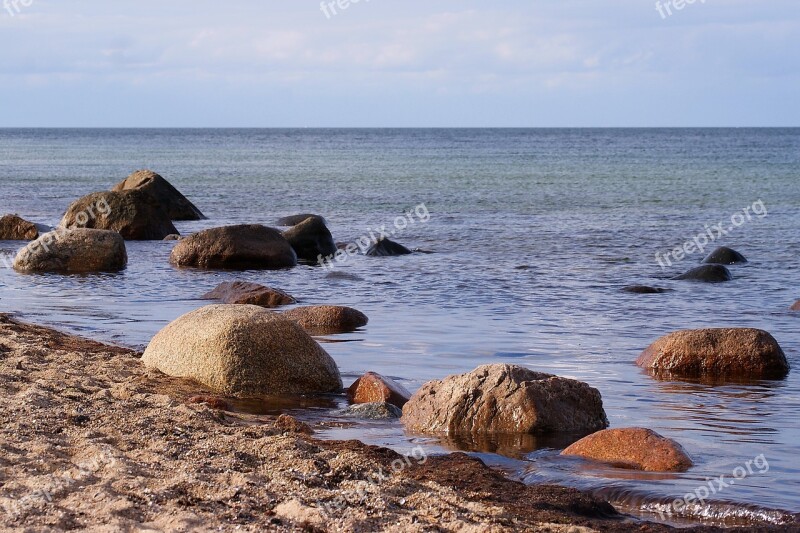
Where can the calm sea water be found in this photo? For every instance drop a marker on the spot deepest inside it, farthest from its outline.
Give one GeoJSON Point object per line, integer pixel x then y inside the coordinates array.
{"type": "Point", "coordinates": [535, 233]}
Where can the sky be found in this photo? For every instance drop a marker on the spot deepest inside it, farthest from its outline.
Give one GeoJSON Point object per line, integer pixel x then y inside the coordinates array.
{"type": "Point", "coordinates": [399, 63]}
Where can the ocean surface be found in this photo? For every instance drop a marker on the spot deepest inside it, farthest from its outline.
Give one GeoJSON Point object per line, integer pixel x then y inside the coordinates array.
{"type": "Point", "coordinates": [535, 233]}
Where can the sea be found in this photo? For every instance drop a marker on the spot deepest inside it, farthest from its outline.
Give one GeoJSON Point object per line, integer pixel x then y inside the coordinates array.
{"type": "Point", "coordinates": [526, 238]}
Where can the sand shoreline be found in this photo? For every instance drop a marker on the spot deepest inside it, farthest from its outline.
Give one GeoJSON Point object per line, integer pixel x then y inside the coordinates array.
{"type": "Point", "coordinates": [91, 439]}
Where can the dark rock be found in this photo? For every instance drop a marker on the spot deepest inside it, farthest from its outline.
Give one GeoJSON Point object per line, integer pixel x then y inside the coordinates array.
{"type": "Point", "coordinates": [707, 274]}
{"type": "Point", "coordinates": [311, 239]}
{"type": "Point", "coordinates": [725, 256]}
{"type": "Point", "coordinates": [293, 220]}
{"type": "Point", "coordinates": [242, 292]}
{"type": "Point", "coordinates": [327, 319]}
{"type": "Point", "coordinates": [644, 289]}
{"type": "Point", "coordinates": [235, 247]}
{"type": "Point", "coordinates": [372, 411]}
{"type": "Point", "coordinates": [171, 200]}
{"type": "Point", "coordinates": [14, 228]}
{"type": "Point", "coordinates": [387, 248]}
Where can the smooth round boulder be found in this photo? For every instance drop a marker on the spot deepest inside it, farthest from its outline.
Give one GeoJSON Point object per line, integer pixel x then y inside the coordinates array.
{"type": "Point", "coordinates": [504, 399]}
{"type": "Point", "coordinates": [633, 448]}
{"type": "Point", "coordinates": [136, 215]}
{"type": "Point", "coordinates": [177, 206]}
{"type": "Point", "coordinates": [716, 354]}
{"type": "Point", "coordinates": [243, 247]}
{"type": "Point", "coordinates": [76, 250]}
{"type": "Point", "coordinates": [293, 220]}
{"type": "Point", "coordinates": [14, 228]}
{"type": "Point", "coordinates": [387, 248]}
{"type": "Point", "coordinates": [372, 388]}
{"type": "Point", "coordinates": [725, 256]}
{"type": "Point", "coordinates": [243, 350]}
{"type": "Point", "coordinates": [707, 274]}
{"type": "Point", "coordinates": [311, 240]}
{"type": "Point", "coordinates": [242, 292]}
{"type": "Point", "coordinates": [327, 319]}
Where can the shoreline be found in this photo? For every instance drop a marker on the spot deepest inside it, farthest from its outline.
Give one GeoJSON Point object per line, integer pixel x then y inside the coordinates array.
{"type": "Point", "coordinates": [92, 439]}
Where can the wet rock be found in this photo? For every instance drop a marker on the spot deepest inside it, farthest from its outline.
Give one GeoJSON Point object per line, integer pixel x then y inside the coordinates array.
{"type": "Point", "coordinates": [372, 388]}
{"type": "Point", "coordinates": [136, 215]}
{"type": "Point", "coordinates": [372, 411]}
{"type": "Point", "coordinates": [293, 220]}
{"type": "Point", "coordinates": [242, 292]}
{"type": "Point", "coordinates": [387, 248]}
{"type": "Point", "coordinates": [290, 424]}
{"type": "Point", "coordinates": [725, 256]}
{"type": "Point", "coordinates": [716, 354]}
{"type": "Point", "coordinates": [14, 228]}
{"type": "Point", "coordinates": [243, 350]}
{"type": "Point", "coordinates": [311, 239]}
{"type": "Point", "coordinates": [78, 250]}
{"type": "Point", "coordinates": [795, 306]}
{"type": "Point", "coordinates": [644, 289]}
{"type": "Point", "coordinates": [215, 402]}
{"type": "Point", "coordinates": [327, 319]}
{"type": "Point", "coordinates": [504, 398]}
{"type": "Point", "coordinates": [173, 237]}
{"type": "Point", "coordinates": [343, 276]}
{"type": "Point", "coordinates": [171, 200]}
{"type": "Point", "coordinates": [634, 448]}
{"type": "Point", "coordinates": [707, 273]}
{"type": "Point", "coordinates": [235, 247]}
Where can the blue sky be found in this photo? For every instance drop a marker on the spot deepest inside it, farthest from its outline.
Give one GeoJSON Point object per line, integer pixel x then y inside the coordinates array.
{"type": "Point", "coordinates": [275, 63]}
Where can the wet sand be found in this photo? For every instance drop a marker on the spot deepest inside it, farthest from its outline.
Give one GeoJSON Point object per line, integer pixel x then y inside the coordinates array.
{"type": "Point", "coordinates": [93, 440]}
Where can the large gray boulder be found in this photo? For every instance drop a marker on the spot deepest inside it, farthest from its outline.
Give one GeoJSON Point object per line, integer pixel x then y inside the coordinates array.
{"type": "Point", "coordinates": [243, 350]}
{"type": "Point", "coordinates": [172, 201]}
{"type": "Point", "coordinates": [243, 247]}
{"type": "Point", "coordinates": [136, 215]}
{"type": "Point", "coordinates": [77, 250]}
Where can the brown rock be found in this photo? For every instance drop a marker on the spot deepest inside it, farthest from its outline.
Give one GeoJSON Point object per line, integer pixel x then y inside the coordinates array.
{"type": "Point", "coordinates": [716, 354]}
{"type": "Point", "coordinates": [796, 306]}
{"type": "Point", "coordinates": [243, 247]}
{"type": "Point", "coordinates": [78, 250]}
{"type": "Point", "coordinates": [242, 292]}
{"type": "Point", "coordinates": [311, 240]}
{"type": "Point", "coordinates": [136, 215]}
{"type": "Point", "coordinates": [635, 448]}
{"type": "Point", "coordinates": [215, 402]}
{"type": "Point", "coordinates": [293, 220]}
{"type": "Point", "coordinates": [290, 424]}
{"type": "Point", "coordinates": [372, 388]}
{"type": "Point", "coordinates": [172, 201]}
{"type": "Point", "coordinates": [14, 228]}
{"type": "Point", "coordinates": [504, 398]}
{"type": "Point", "coordinates": [327, 319]}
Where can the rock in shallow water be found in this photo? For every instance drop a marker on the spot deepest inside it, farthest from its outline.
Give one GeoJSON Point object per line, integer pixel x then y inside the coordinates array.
{"type": "Point", "coordinates": [293, 220]}
{"type": "Point", "coordinates": [77, 250]}
{"type": "Point", "coordinates": [242, 292]}
{"type": "Point", "coordinates": [387, 248]}
{"type": "Point", "coordinates": [372, 387]}
{"type": "Point", "coordinates": [372, 411]}
{"type": "Point", "coordinates": [635, 448]}
{"type": "Point", "coordinates": [327, 319]}
{"type": "Point", "coordinates": [504, 398]}
{"type": "Point", "coordinates": [725, 256]}
{"type": "Point", "coordinates": [716, 354]}
{"type": "Point", "coordinates": [14, 228]}
{"type": "Point", "coordinates": [644, 289]}
{"type": "Point", "coordinates": [707, 273]}
{"type": "Point", "coordinates": [243, 350]}
{"type": "Point", "coordinates": [311, 240]}
{"type": "Point", "coordinates": [168, 197]}
{"type": "Point", "coordinates": [248, 246]}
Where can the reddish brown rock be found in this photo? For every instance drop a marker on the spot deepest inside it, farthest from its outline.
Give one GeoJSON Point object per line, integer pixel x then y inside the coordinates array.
{"type": "Point", "coordinates": [505, 399]}
{"type": "Point", "coordinates": [327, 319]}
{"type": "Point", "coordinates": [374, 388]}
{"type": "Point", "coordinates": [796, 306]}
{"type": "Point", "coordinates": [716, 354]}
{"type": "Point", "coordinates": [634, 448]}
{"type": "Point", "coordinates": [215, 402]}
{"type": "Point", "coordinates": [14, 228]}
{"type": "Point", "coordinates": [242, 292]}
{"type": "Point", "coordinates": [290, 424]}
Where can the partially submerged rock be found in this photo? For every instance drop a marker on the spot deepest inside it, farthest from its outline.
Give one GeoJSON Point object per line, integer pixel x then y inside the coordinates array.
{"type": "Point", "coordinates": [634, 448]}
{"type": "Point", "coordinates": [242, 292]}
{"type": "Point", "coordinates": [293, 220]}
{"type": "Point", "coordinates": [136, 215]}
{"type": "Point", "coordinates": [795, 306]}
{"type": "Point", "coordinates": [311, 239]}
{"type": "Point", "coordinates": [372, 387]}
{"type": "Point", "coordinates": [249, 246]}
{"type": "Point", "coordinates": [387, 248]}
{"type": "Point", "coordinates": [177, 206]}
{"type": "Point", "coordinates": [725, 256]}
{"type": "Point", "coordinates": [643, 289]}
{"type": "Point", "coordinates": [14, 228]}
{"type": "Point", "coordinates": [372, 411]}
{"type": "Point", "coordinates": [243, 350]}
{"type": "Point", "coordinates": [707, 273]}
{"type": "Point", "coordinates": [716, 354]}
{"type": "Point", "coordinates": [327, 319]}
{"type": "Point", "coordinates": [504, 398]}
{"type": "Point", "coordinates": [78, 250]}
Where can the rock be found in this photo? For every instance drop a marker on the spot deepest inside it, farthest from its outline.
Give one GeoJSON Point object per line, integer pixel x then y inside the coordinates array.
{"type": "Point", "coordinates": [172, 201]}
{"type": "Point", "coordinates": [290, 424]}
{"type": "Point", "coordinates": [311, 239]}
{"type": "Point", "coordinates": [173, 237]}
{"type": "Point", "coordinates": [327, 319]}
{"type": "Point", "coordinates": [643, 289]}
{"type": "Point", "coordinates": [707, 273]}
{"type": "Point", "coordinates": [387, 248]}
{"type": "Point", "coordinates": [372, 388]}
{"type": "Point", "coordinates": [504, 399]}
{"type": "Point", "coordinates": [215, 402]}
{"type": "Point", "coordinates": [343, 276]}
{"type": "Point", "coordinates": [235, 247]}
{"type": "Point", "coordinates": [293, 220]}
{"type": "Point", "coordinates": [372, 411]}
{"type": "Point", "coordinates": [795, 306]}
{"type": "Point", "coordinates": [242, 292]}
{"type": "Point", "coordinates": [77, 250]}
{"type": "Point", "coordinates": [725, 256]}
{"type": "Point", "coordinates": [243, 350]}
{"type": "Point", "coordinates": [14, 228]}
{"type": "Point", "coordinates": [717, 354]}
{"type": "Point", "coordinates": [136, 215]}
{"type": "Point", "coordinates": [634, 448]}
